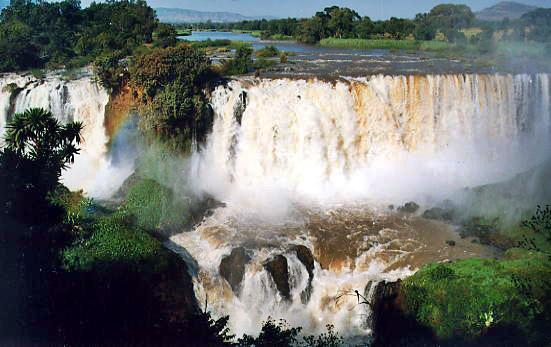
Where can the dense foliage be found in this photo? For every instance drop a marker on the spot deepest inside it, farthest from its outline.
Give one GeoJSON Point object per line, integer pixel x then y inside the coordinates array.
{"type": "Point", "coordinates": [242, 62]}
{"type": "Point", "coordinates": [37, 149]}
{"type": "Point", "coordinates": [62, 34]}
{"type": "Point", "coordinates": [468, 297]}
{"type": "Point", "coordinates": [341, 22]}
{"type": "Point", "coordinates": [171, 84]}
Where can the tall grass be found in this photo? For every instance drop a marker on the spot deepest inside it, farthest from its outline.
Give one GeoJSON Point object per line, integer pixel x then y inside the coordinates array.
{"type": "Point", "coordinates": [384, 44]}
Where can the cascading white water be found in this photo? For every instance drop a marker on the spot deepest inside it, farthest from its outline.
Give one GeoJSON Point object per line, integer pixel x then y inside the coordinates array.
{"type": "Point", "coordinates": [409, 134]}
{"type": "Point", "coordinates": [287, 155]}
{"type": "Point", "coordinates": [79, 99]}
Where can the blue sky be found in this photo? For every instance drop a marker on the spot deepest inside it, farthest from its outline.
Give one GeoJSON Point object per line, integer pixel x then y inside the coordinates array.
{"type": "Point", "coordinates": [376, 9]}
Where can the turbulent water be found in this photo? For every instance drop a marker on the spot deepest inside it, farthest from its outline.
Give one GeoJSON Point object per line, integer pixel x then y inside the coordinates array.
{"type": "Point", "coordinates": [313, 163]}
{"type": "Point", "coordinates": [74, 100]}
{"type": "Point", "coordinates": [316, 163]}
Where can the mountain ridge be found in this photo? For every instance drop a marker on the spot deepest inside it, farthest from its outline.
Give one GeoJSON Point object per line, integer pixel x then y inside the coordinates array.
{"type": "Point", "coordinates": [180, 15]}
{"type": "Point", "coordinates": [504, 9]}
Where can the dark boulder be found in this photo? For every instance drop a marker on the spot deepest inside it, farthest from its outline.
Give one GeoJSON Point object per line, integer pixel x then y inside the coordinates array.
{"type": "Point", "coordinates": [277, 268]}
{"type": "Point", "coordinates": [232, 268]}
{"type": "Point", "coordinates": [409, 207]}
{"type": "Point", "coordinates": [391, 325]}
{"type": "Point", "coordinates": [307, 259]}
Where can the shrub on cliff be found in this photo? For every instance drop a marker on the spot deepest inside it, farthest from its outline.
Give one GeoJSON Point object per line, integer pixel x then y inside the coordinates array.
{"type": "Point", "coordinates": [171, 84]}
{"type": "Point", "coordinates": [114, 243]}
{"type": "Point", "coordinates": [155, 207]}
{"type": "Point", "coordinates": [38, 148]}
{"type": "Point", "coordinates": [467, 298]}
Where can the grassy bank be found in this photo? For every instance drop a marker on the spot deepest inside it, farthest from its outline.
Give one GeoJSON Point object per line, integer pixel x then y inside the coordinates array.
{"type": "Point", "coordinates": [470, 297]}
{"type": "Point", "coordinates": [384, 44]}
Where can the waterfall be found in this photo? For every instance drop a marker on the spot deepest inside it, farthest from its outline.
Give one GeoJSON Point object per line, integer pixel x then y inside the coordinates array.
{"type": "Point", "coordinates": [78, 99]}
{"type": "Point", "coordinates": [378, 137]}
{"type": "Point", "coordinates": [311, 162]}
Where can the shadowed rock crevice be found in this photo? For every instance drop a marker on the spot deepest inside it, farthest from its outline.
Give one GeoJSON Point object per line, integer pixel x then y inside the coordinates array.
{"type": "Point", "coordinates": [232, 268]}
{"type": "Point", "coordinates": [278, 268]}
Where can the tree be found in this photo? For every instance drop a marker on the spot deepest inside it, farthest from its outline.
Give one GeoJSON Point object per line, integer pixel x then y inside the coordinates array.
{"type": "Point", "coordinates": [38, 148]}
{"type": "Point", "coordinates": [166, 36]}
{"type": "Point", "coordinates": [364, 28]}
{"type": "Point", "coordinates": [16, 50]}
{"type": "Point", "coordinates": [424, 27]}
{"type": "Point", "coordinates": [452, 16]}
{"type": "Point", "coordinates": [171, 83]}
{"type": "Point", "coordinates": [539, 24]}
{"type": "Point", "coordinates": [242, 63]}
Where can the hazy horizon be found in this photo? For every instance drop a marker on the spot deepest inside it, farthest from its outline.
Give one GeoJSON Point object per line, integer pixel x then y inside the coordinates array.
{"type": "Point", "coordinates": [376, 9]}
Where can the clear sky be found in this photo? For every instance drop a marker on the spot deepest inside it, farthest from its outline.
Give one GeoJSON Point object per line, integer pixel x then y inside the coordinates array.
{"type": "Point", "coordinates": [376, 9]}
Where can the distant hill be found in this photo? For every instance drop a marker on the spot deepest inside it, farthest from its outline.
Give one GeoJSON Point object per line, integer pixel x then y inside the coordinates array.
{"type": "Point", "coordinates": [504, 9]}
{"type": "Point", "coordinates": [179, 15]}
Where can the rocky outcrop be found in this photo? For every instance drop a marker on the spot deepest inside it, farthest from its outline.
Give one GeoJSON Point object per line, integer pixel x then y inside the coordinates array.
{"type": "Point", "coordinates": [307, 259]}
{"type": "Point", "coordinates": [391, 325]}
{"type": "Point", "coordinates": [279, 271]}
{"type": "Point", "coordinates": [232, 268]}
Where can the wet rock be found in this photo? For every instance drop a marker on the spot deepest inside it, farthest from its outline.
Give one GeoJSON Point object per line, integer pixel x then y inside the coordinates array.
{"type": "Point", "coordinates": [391, 325]}
{"type": "Point", "coordinates": [278, 269]}
{"type": "Point", "coordinates": [307, 259]}
{"type": "Point", "coordinates": [450, 243]}
{"type": "Point", "coordinates": [409, 207]}
{"type": "Point", "coordinates": [232, 268]}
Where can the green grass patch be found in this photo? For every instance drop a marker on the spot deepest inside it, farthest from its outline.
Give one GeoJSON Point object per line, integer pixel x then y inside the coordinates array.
{"type": "Point", "coordinates": [384, 44]}
{"type": "Point", "coordinates": [468, 297]}
{"type": "Point", "coordinates": [281, 37]}
{"type": "Point", "coordinates": [183, 32]}
{"type": "Point", "coordinates": [155, 207]}
{"type": "Point", "coordinates": [114, 243]}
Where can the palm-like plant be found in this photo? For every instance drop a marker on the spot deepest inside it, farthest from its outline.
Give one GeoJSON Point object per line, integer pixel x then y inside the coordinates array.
{"type": "Point", "coordinates": [37, 149]}
{"type": "Point", "coordinates": [36, 135]}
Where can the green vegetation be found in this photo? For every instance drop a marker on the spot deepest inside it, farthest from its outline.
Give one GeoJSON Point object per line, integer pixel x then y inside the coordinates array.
{"type": "Point", "coordinates": [61, 34]}
{"type": "Point", "coordinates": [267, 52]}
{"type": "Point", "coordinates": [468, 297]}
{"type": "Point", "coordinates": [165, 36]}
{"type": "Point", "coordinates": [37, 149]}
{"type": "Point", "coordinates": [172, 103]}
{"type": "Point", "coordinates": [114, 242]}
{"type": "Point", "coordinates": [385, 44]}
{"type": "Point", "coordinates": [155, 207]}
{"type": "Point", "coordinates": [242, 63]}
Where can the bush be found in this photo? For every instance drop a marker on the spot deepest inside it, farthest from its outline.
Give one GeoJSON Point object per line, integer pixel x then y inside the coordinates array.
{"type": "Point", "coordinates": [242, 63]}
{"type": "Point", "coordinates": [111, 71]}
{"type": "Point", "coordinates": [155, 207]}
{"type": "Point", "coordinates": [468, 297]}
{"type": "Point", "coordinates": [267, 52]}
{"type": "Point", "coordinates": [114, 244]}
{"type": "Point", "coordinates": [171, 84]}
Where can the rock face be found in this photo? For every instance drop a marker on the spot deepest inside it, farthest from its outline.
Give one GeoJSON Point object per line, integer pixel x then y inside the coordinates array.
{"type": "Point", "coordinates": [307, 259]}
{"type": "Point", "coordinates": [409, 207]}
{"type": "Point", "coordinates": [391, 325]}
{"type": "Point", "coordinates": [278, 269]}
{"type": "Point", "coordinates": [232, 268]}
